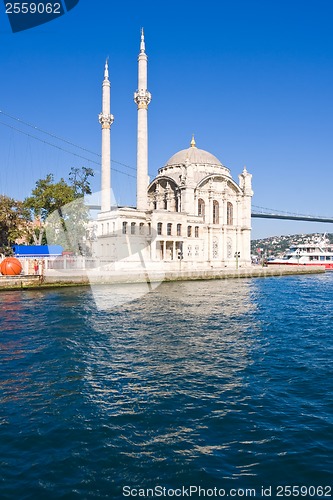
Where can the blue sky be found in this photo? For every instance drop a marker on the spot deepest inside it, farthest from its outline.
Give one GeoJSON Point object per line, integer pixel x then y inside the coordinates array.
{"type": "Point", "coordinates": [253, 80]}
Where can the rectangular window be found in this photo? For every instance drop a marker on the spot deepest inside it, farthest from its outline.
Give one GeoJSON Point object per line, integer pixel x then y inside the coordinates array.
{"type": "Point", "coordinates": [215, 212]}
{"type": "Point", "coordinates": [201, 208]}
{"type": "Point", "coordinates": [179, 229]}
{"type": "Point", "coordinates": [196, 231]}
{"type": "Point", "coordinates": [230, 214]}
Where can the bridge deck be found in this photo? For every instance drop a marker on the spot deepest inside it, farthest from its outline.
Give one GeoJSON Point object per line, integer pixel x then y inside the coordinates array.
{"type": "Point", "coordinates": [291, 217]}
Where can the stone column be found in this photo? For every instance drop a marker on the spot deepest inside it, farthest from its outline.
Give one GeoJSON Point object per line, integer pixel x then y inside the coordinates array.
{"type": "Point", "coordinates": [106, 120]}
{"type": "Point", "coordinates": [142, 98]}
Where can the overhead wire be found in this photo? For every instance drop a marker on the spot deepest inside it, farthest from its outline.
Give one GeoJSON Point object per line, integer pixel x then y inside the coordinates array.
{"type": "Point", "coordinates": [63, 149]}
{"type": "Point", "coordinates": [47, 133]}
{"type": "Point", "coordinates": [63, 140]}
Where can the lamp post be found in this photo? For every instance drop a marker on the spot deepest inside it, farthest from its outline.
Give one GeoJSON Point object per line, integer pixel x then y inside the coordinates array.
{"type": "Point", "coordinates": [180, 255]}
{"type": "Point", "coordinates": [237, 255]}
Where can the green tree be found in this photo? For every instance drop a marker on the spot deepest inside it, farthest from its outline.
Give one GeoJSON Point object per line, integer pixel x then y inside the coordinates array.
{"type": "Point", "coordinates": [49, 196]}
{"type": "Point", "coordinates": [79, 180]}
{"type": "Point", "coordinates": [45, 198]}
{"type": "Point", "coordinates": [59, 206]}
{"type": "Point", "coordinates": [14, 222]}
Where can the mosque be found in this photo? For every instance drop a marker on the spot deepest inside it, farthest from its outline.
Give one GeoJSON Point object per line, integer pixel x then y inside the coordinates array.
{"type": "Point", "coordinates": [193, 214]}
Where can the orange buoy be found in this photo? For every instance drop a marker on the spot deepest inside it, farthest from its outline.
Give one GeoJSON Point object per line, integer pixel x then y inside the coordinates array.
{"type": "Point", "coordinates": [10, 266]}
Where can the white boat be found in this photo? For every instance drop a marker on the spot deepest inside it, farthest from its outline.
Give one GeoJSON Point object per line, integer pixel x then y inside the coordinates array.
{"type": "Point", "coordinates": [308, 254]}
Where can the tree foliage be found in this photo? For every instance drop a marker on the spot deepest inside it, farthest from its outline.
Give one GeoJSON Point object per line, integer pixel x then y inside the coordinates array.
{"type": "Point", "coordinates": [79, 180]}
{"type": "Point", "coordinates": [62, 198]}
{"type": "Point", "coordinates": [14, 221]}
{"type": "Point", "coordinates": [59, 206]}
{"type": "Point", "coordinates": [49, 196]}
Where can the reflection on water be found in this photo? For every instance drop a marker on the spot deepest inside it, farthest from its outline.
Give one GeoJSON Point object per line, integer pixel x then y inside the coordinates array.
{"type": "Point", "coordinates": [223, 297]}
{"type": "Point", "coordinates": [183, 337]}
{"type": "Point", "coordinates": [110, 296]}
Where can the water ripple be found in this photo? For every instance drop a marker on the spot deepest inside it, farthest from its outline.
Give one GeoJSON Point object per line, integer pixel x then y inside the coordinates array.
{"type": "Point", "coordinates": [220, 383]}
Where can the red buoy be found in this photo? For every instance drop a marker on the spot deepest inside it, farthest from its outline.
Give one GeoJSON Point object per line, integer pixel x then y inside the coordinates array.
{"type": "Point", "coordinates": [10, 266]}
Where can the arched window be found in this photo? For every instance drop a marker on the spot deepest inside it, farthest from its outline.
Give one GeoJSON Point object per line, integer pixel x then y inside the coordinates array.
{"type": "Point", "coordinates": [179, 229]}
{"type": "Point", "coordinates": [132, 227]}
{"type": "Point", "coordinates": [215, 212]}
{"type": "Point", "coordinates": [201, 207]}
{"type": "Point", "coordinates": [169, 229]}
{"type": "Point", "coordinates": [159, 228]}
{"type": "Point", "coordinates": [230, 214]}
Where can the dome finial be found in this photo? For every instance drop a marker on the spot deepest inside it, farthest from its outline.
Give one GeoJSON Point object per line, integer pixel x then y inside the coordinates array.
{"type": "Point", "coordinates": [193, 144]}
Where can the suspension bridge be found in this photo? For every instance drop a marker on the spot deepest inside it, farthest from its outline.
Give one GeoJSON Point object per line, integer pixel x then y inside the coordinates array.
{"type": "Point", "coordinates": [269, 213]}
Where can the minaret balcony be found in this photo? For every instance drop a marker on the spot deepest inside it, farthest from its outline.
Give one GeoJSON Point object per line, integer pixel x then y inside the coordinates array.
{"type": "Point", "coordinates": [142, 98]}
{"type": "Point", "coordinates": [105, 120]}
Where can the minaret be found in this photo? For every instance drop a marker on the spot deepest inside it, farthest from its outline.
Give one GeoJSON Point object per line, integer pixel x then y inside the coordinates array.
{"type": "Point", "coordinates": [106, 120]}
{"type": "Point", "coordinates": [142, 98]}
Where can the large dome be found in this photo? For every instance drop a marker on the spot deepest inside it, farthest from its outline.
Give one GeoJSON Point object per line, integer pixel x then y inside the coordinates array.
{"type": "Point", "coordinates": [193, 155]}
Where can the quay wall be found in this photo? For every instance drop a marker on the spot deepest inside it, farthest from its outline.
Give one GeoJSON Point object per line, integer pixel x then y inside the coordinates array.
{"type": "Point", "coordinates": [79, 278]}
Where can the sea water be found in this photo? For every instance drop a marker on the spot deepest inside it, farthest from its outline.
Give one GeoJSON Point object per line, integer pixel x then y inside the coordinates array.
{"type": "Point", "coordinates": [212, 388]}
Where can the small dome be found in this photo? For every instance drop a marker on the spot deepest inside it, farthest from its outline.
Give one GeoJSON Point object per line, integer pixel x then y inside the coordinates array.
{"type": "Point", "coordinates": [193, 155]}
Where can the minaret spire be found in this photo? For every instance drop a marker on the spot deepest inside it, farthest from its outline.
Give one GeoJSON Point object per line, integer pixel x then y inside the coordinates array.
{"type": "Point", "coordinates": [142, 98]}
{"type": "Point", "coordinates": [142, 44]}
{"type": "Point", "coordinates": [106, 69]}
{"type": "Point", "coordinates": [106, 120]}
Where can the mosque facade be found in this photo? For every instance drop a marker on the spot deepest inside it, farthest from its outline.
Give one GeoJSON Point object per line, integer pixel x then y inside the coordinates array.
{"type": "Point", "coordinates": [193, 215]}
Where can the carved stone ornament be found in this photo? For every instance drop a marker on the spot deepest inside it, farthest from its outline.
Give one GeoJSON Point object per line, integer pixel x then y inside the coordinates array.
{"type": "Point", "coordinates": [105, 120]}
{"type": "Point", "coordinates": [142, 98]}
